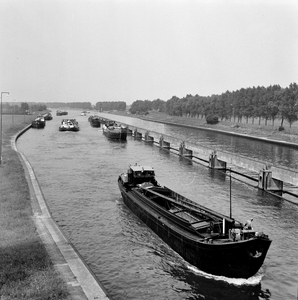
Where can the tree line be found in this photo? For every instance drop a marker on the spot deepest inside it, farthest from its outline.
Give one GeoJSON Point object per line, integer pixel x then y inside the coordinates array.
{"type": "Point", "coordinates": [76, 105]}
{"type": "Point", "coordinates": [110, 105]}
{"type": "Point", "coordinates": [23, 107]}
{"type": "Point", "coordinates": [34, 106]}
{"type": "Point", "coordinates": [267, 103]}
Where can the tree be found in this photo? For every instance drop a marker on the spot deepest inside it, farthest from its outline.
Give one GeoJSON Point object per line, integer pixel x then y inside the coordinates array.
{"type": "Point", "coordinates": [290, 104]}
{"type": "Point", "coordinates": [24, 106]}
{"type": "Point", "coordinates": [140, 107]}
{"type": "Point", "coordinates": [158, 105]}
{"type": "Point", "coordinates": [272, 110]}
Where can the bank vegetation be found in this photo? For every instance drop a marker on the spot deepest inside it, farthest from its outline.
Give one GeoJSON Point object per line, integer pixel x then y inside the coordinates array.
{"type": "Point", "coordinates": [255, 104]}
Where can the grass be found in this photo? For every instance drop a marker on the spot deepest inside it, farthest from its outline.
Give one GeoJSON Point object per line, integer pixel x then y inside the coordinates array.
{"type": "Point", "coordinates": [26, 271]}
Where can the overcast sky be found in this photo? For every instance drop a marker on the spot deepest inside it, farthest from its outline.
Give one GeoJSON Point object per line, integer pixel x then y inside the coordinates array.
{"type": "Point", "coordinates": [127, 50]}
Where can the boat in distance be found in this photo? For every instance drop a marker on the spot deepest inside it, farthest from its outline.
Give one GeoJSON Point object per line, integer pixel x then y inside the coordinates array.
{"type": "Point", "coordinates": [212, 242]}
{"type": "Point", "coordinates": [94, 121]}
{"type": "Point", "coordinates": [61, 113]}
{"type": "Point", "coordinates": [48, 116]}
{"type": "Point", "coordinates": [38, 122]}
{"type": "Point", "coordinates": [69, 125]}
{"type": "Point", "coordinates": [115, 131]}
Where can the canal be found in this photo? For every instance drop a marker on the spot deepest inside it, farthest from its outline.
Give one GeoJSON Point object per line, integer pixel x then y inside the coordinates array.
{"type": "Point", "coordinates": [78, 172]}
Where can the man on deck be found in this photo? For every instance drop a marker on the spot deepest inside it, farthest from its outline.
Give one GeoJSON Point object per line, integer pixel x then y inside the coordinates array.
{"type": "Point", "coordinates": [248, 224]}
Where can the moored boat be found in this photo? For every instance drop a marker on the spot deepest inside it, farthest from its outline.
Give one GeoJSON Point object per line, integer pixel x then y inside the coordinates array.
{"type": "Point", "coordinates": [113, 130]}
{"type": "Point", "coordinates": [212, 242]}
{"type": "Point", "coordinates": [61, 113]}
{"type": "Point", "coordinates": [69, 125]}
{"type": "Point", "coordinates": [48, 116]}
{"type": "Point", "coordinates": [39, 122]}
{"type": "Point", "coordinates": [95, 121]}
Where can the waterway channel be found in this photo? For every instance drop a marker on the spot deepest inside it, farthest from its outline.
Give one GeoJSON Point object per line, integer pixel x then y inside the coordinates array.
{"type": "Point", "coordinates": [78, 172]}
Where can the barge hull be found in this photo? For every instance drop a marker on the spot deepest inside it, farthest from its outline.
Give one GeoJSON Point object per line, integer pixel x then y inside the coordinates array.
{"type": "Point", "coordinates": [234, 260]}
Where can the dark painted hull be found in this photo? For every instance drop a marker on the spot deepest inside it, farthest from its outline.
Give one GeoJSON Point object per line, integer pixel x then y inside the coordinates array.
{"type": "Point", "coordinates": [38, 124]}
{"type": "Point", "coordinates": [232, 259]}
{"type": "Point", "coordinates": [95, 123]}
{"type": "Point", "coordinates": [69, 129]}
{"type": "Point", "coordinates": [61, 113]}
{"type": "Point", "coordinates": [115, 134]}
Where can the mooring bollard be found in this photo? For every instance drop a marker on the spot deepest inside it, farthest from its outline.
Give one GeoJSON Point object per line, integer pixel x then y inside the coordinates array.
{"type": "Point", "coordinates": [185, 152]}
{"type": "Point", "coordinates": [148, 138]}
{"type": "Point", "coordinates": [215, 163]}
{"type": "Point", "coordinates": [136, 134]}
{"type": "Point", "coordinates": [163, 144]}
{"type": "Point", "coordinates": [268, 183]}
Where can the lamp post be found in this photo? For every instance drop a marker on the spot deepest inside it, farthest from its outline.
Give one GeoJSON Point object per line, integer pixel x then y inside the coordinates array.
{"type": "Point", "coordinates": [1, 127]}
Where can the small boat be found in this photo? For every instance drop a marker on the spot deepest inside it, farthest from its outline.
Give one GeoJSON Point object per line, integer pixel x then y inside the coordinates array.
{"type": "Point", "coordinates": [48, 117]}
{"type": "Point", "coordinates": [69, 125]}
{"type": "Point", "coordinates": [113, 130]}
{"type": "Point", "coordinates": [95, 121]}
{"type": "Point", "coordinates": [39, 122]}
{"type": "Point", "coordinates": [61, 113]}
{"type": "Point", "coordinates": [212, 242]}
{"type": "Point", "coordinates": [84, 113]}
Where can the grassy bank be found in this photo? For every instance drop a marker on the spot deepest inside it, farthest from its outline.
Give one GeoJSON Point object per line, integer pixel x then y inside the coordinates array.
{"type": "Point", "coordinates": [26, 269]}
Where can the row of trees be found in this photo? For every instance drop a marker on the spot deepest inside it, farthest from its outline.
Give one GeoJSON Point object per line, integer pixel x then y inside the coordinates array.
{"type": "Point", "coordinates": [141, 107]}
{"type": "Point", "coordinates": [23, 107]}
{"type": "Point", "coordinates": [76, 105]}
{"type": "Point", "coordinates": [268, 103]}
{"type": "Point", "coordinates": [102, 106]}
{"type": "Point", "coordinates": [110, 105]}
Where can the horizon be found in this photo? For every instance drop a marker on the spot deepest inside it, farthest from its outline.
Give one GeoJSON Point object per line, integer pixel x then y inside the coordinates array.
{"type": "Point", "coordinates": [10, 102]}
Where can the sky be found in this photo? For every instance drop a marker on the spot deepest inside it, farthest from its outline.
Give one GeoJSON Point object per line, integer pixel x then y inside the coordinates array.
{"type": "Point", "coordinates": [128, 50]}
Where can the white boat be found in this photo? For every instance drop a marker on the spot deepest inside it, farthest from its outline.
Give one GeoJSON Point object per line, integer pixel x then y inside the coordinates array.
{"type": "Point", "coordinates": [69, 125]}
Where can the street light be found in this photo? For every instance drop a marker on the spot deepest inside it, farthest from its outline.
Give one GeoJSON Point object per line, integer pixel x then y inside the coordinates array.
{"type": "Point", "coordinates": [1, 127]}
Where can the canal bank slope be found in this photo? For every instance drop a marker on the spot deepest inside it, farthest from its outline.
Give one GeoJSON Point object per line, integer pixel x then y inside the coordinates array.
{"type": "Point", "coordinates": [26, 267]}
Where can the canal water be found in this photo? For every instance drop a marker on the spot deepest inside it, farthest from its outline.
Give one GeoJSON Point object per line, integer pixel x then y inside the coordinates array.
{"type": "Point", "coordinates": [78, 172]}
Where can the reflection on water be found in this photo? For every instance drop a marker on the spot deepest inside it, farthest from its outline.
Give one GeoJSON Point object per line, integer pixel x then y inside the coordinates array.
{"type": "Point", "coordinates": [78, 175]}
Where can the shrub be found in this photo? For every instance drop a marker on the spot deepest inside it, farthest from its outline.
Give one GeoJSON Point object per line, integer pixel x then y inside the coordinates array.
{"type": "Point", "coordinates": [211, 119]}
